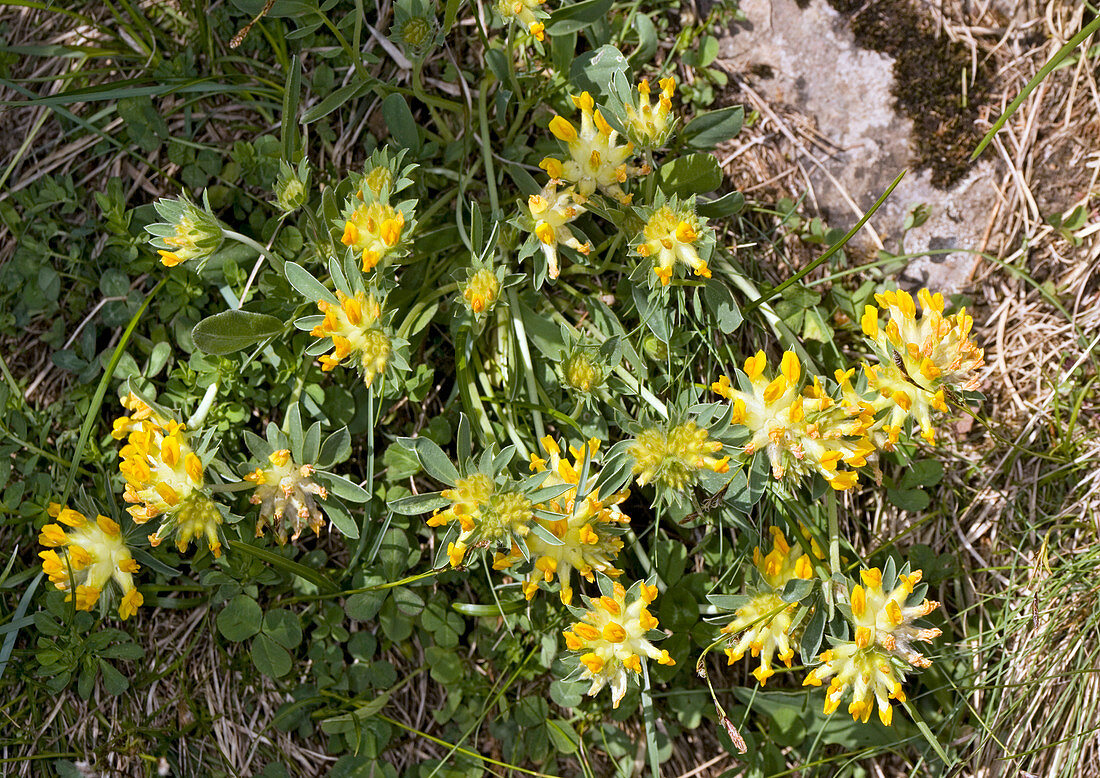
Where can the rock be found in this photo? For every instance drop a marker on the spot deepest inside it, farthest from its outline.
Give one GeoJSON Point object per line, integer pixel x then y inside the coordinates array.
{"type": "Point", "coordinates": [802, 55]}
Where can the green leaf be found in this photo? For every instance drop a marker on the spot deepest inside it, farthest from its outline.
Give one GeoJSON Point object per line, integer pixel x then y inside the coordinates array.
{"type": "Point", "coordinates": [691, 174]}
{"type": "Point", "coordinates": [446, 667]}
{"type": "Point", "coordinates": [726, 205]}
{"type": "Point", "coordinates": [341, 518]}
{"type": "Point", "coordinates": [270, 658]}
{"type": "Point", "coordinates": [114, 682]}
{"type": "Point", "coordinates": [815, 631]}
{"type": "Point", "coordinates": [283, 627]}
{"type": "Point", "coordinates": [335, 449]}
{"type": "Point", "coordinates": [647, 39]}
{"type": "Point", "coordinates": [344, 488]}
{"type": "Point", "coordinates": [575, 17]}
{"type": "Point", "coordinates": [595, 70]}
{"type": "Point", "coordinates": [308, 286]}
{"type": "Point", "coordinates": [797, 589]}
{"type": "Point", "coordinates": [240, 618]}
{"type": "Point", "coordinates": [925, 472]}
{"type": "Point", "coordinates": [709, 129]}
{"type": "Point", "coordinates": [909, 499]}
{"type": "Point", "coordinates": [432, 459]}
{"type": "Point", "coordinates": [720, 302]}
{"type": "Point", "coordinates": [418, 504]}
{"type": "Point", "coordinates": [564, 738]}
{"type": "Point", "coordinates": [229, 331]}
{"type": "Point", "coordinates": [399, 120]}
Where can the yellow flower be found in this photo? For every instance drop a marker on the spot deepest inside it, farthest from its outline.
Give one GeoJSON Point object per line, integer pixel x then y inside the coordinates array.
{"type": "Point", "coordinates": [482, 290]}
{"type": "Point", "coordinates": [765, 620]}
{"type": "Point", "coordinates": [649, 125]}
{"type": "Point", "coordinates": [374, 230]}
{"type": "Point", "coordinates": [164, 477]}
{"type": "Point", "coordinates": [594, 159]}
{"type": "Point", "coordinates": [188, 232]}
{"type": "Point", "coordinates": [586, 545]}
{"type": "Point", "coordinates": [284, 491]}
{"type": "Point", "coordinates": [486, 515]}
{"type": "Point", "coordinates": [671, 236]}
{"type": "Point", "coordinates": [82, 559]}
{"type": "Point", "coordinates": [883, 619]}
{"type": "Point", "coordinates": [551, 211]}
{"type": "Point", "coordinates": [354, 327]}
{"type": "Point", "coordinates": [871, 675]}
{"type": "Point", "coordinates": [921, 361]}
{"type": "Point", "coordinates": [673, 457]}
{"type": "Point", "coordinates": [802, 429]}
{"type": "Point", "coordinates": [524, 12]}
{"type": "Point", "coordinates": [611, 639]}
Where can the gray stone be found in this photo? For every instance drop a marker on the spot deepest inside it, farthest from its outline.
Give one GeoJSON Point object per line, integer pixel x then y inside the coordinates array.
{"type": "Point", "coordinates": [806, 59]}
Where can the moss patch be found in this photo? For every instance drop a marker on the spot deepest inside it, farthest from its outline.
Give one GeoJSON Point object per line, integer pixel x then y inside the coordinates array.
{"type": "Point", "coordinates": [928, 72]}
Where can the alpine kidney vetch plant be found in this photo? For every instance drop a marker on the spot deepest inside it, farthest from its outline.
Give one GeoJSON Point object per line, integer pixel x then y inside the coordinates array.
{"type": "Point", "coordinates": [559, 387]}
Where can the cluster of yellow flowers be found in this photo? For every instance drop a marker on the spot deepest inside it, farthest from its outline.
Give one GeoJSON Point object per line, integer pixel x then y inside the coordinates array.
{"type": "Point", "coordinates": [804, 430]}
{"type": "Point", "coordinates": [580, 529]}
{"type": "Point", "coordinates": [284, 492]}
{"type": "Point", "coordinates": [614, 636]}
{"type": "Point", "coordinates": [164, 477]}
{"type": "Point", "coordinates": [871, 668]}
{"type": "Point", "coordinates": [84, 558]}
{"type": "Point", "coordinates": [354, 325]}
{"type": "Point", "coordinates": [674, 456]}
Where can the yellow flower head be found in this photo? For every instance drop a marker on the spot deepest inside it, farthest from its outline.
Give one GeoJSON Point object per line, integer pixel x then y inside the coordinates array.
{"type": "Point", "coordinates": [672, 235]}
{"type": "Point", "coordinates": [649, 125]}
{"type": "Point", "coordinates": [482, 290]}
{"type": "Point", "coordinates": [802, 429]}
{"type": "Point", "coordinates": [673, 457]}
{"type": "Point", "coordinates": [529, 13]}
{"type": "Point", "coordinates": [354, 326]}
{"type": "Point", "coordinates": [921, 361]}
{"type": "Point", "coordinates": [883, 619]}
{"type": "Point", "coordinates": [550, 212]}
{"type": "Point", "coordinates": [82, 559]}
{"type": "Point", "coordinates": [611, 639]}
{"type": "Point", "coordinates": [164, 477]}
{"type": "Point", "coordinates": [486, 515]}
{"type": "Point", "coordinates": [582, 372]}
{"type": "Point", "coordinates": [285, 491]}
{"type": "Point", "coordinates": [765, 621]}
{"type": "Point", "coordinates": [373, 230]}
{"type": "Point", "coordinates": [586, 545]}
{"type": "Point", "coordinates": [870, 673]}
{"type": "Point", "coordinates": [594, 159]}
{"type": "Point", "coordinates": [188, 232]}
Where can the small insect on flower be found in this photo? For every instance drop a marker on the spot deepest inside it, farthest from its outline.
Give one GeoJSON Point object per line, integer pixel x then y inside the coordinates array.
{"type": "Point", "coordinates": [613, 636]}
{"type": "Point", "coordinates": [673, 235]}
{"type": "Point", "coordinates": [285, 492]}
{"type": "Point", "coordinates": [354, 324]}
{"type": "Point", "coordinates": [528, 13]}
{"type": "Point", "coordinates": [594, 159]}
{"type": "Point", "coordinates": [187, 231]}
{"type": "Point", "coordinates": [482, 290]}
{"type": "Point", "coordinates": [673, 457]}
{"type": "Point", "coordinates": [765, 621]}
{"type": "Point", "coordinates": [871, 674]}
{"type": "Point", "coordinates": [82, 559]}
{"type": "Point", "coordinates": [883, 619]}
{"type": "Point", "coordinates": [550, 211]}
{"type": "Point", "coordinates": [488, 515]}
{"type": "Point", "coordinates": [649, 125]}
{"type": "Point", "coordinates": [921, 363]}
{"type": "Point", "coordinates": [802, 430]}
{"type": "Point", "coordinates": [583, 529]}
{"type": "Point", "coordinates": [164, 476]}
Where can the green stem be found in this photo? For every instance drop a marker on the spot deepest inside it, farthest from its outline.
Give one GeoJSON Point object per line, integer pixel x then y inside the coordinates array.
{"type": "Point", "coordinates": [486, 152]}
